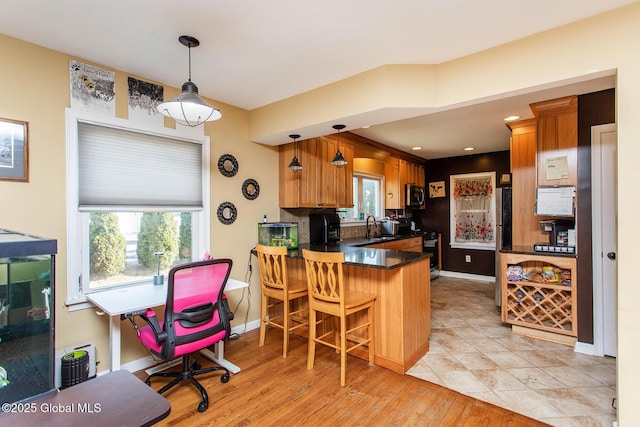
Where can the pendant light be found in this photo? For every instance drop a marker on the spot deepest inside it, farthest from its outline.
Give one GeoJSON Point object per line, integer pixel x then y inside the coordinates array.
{"type": "Point", "coordinates": [339, 160]}
{"type": "Point", "coordinates": [188, 108]}
{"type": "Point", "coordinates": [295, 165]}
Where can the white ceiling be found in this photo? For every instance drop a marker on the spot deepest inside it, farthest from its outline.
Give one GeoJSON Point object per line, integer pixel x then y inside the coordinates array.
{"type": "Point", "coordinates": [255, 52]}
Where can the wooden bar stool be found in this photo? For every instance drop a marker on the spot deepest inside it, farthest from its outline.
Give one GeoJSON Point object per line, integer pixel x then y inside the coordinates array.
{"type": "Point", "coordinates": [327, 295]}
{"type": "Point", "coordinates": [278, 288]}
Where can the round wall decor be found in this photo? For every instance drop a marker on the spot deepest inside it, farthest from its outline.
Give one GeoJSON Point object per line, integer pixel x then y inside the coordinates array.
{"type": "Point", "coordinates": [227, 213]}
{"type": "Point", "coordinates": [228, 165]}
{"type": "Point", "coordinates": [250, 189]}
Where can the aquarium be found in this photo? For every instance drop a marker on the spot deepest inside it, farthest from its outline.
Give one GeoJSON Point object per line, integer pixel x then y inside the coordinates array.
{"type": "Point", "coordinates": [26, 315]}
{"type": "Point", "coordinates": [278, 234]}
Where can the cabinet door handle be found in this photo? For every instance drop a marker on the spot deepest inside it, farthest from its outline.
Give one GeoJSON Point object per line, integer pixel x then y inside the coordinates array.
{"type": "Point", "coordinates": [611, 255]}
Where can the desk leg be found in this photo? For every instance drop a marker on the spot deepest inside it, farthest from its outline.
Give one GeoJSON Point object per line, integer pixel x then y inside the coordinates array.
{"type": "Point", "coordinates": [218, 356]}
{"type": "Point", "coordinates": [114, 344]}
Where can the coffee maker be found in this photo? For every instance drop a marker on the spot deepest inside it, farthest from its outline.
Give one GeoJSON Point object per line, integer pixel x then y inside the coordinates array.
{"type": "Point", "coordinates": [562, 236]}
{"type": "Point", "coordinates": [324, 228]}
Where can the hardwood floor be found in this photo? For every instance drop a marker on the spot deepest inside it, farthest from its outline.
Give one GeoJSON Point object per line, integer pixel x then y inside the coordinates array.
{"type": "Point", "coordinates": [272, 391]}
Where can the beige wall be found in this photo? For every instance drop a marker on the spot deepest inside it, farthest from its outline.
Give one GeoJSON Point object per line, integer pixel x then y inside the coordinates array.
{"type": "Point", "coordinates": [36, 87]}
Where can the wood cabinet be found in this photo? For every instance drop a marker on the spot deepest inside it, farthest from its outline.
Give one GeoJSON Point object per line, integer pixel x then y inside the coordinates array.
{"type": "Point", "coordinates": [526, 226]}
{"type": "Point", "coordinates": [539, 296]}
{"type": "Point", "coordinates": [557, 139]}
{"type": "Point", "coordinates": [410, 173]}
{"type": "Point", "coordinates": [393, 192]}
{"type": "Point", "coordinates": [344, 177]}
{"type": "Point", "coordinates": [319, 184]}
{"type": "Point", "coordinates": [413, 244]}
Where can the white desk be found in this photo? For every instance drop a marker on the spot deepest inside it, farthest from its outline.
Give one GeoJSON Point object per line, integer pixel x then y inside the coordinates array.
{"type": "Point", "coordinates": [125, 300]}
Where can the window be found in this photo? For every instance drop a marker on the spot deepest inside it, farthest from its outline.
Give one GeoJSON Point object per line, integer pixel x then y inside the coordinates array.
{"type": "Point", "coordinates": [367, 198]}
{"type": "Point", "coordinates": [473, 211]}
{"type": "Point", "coordinates": [137, 203]}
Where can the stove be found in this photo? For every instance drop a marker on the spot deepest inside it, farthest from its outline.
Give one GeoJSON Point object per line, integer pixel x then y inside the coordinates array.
{"type": "Point", "coordinates": [430, 243]}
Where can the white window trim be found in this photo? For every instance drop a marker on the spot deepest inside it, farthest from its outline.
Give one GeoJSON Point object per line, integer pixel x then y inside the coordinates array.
{"type": "Point", "coordinates": [76, 246]}
{"type": "Point", "coordinates": [354, 221]}
{"type": "Point", "coordinates": [490, 246]}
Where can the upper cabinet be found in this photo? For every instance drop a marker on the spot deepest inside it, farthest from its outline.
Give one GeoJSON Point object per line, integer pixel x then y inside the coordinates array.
{"type": "Point", "coordinates": [393, 193]}
{"type": "Point", "coordinates": [319, 184]}
{"type": "Point", "coordinates": [557, 141]}
{"type": "Point", "coordinates": [526, 229]}
{"type": "Point", "coordinates": [410, 173]}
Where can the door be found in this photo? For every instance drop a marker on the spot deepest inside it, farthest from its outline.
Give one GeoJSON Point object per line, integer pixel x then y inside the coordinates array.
{"type": "Point", "coordinates": [604, 203]}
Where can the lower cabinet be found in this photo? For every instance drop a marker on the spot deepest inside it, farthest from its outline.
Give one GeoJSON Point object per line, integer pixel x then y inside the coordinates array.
{"type": "Point", "coordinates": [413, 244]}
{"type": "Point", "coordinates": [539, 296]}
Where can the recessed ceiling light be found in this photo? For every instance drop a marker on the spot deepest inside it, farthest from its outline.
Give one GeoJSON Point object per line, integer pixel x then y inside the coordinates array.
{"type": "Point", "coordinates": [511, 118]}
{"type": "Point", "coordinates": [469, 148]}
{"type": "Point", "coordinates": [416, 148]}
{"type": "Point", "coordinates": [366, 127]}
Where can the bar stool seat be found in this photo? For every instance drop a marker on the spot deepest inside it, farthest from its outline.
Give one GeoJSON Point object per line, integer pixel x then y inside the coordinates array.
{"type": "Point", "coordinates": [328, 295]}
{"type": "Point", "coordinates": [279, 289]}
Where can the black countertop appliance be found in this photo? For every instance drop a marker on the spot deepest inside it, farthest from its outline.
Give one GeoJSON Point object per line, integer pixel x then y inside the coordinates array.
{"type": "Point", "coordinates": [324, 228]}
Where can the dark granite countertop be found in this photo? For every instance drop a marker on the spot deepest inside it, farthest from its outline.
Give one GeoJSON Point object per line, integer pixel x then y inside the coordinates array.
{"type": "Point", "coordinates": [355, 254]}
{"type": "Point", "coordinates": [528, 250]}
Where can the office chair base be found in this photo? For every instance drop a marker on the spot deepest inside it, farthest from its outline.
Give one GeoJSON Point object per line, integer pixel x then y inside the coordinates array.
{"type": "Point", "coordinates": [190, 368]}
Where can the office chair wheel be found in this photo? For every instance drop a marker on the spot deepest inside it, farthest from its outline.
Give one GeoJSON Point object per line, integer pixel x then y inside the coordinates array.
{"type": "Point", "coordinates": [195, 365]}
{"type": "Point", "coordinates": [202, 407]}
{"type": "Point", "coordinates": [224, 378]}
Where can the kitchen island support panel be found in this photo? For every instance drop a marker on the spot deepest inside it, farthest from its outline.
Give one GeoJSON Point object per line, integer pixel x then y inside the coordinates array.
{"type": "Point", "coordinates": [403, 309]}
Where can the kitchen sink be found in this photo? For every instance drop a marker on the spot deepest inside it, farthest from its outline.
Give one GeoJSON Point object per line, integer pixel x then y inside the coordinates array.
{"type": "Point", "coordinates": [384, 238]}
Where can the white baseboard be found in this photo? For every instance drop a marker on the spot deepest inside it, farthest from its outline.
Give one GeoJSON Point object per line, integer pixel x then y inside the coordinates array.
{"type": "Point", "coordinates": [585, 348]}
{"type": "Point", "coordinates": [148, 361]}
{"type": "Point", "coordinates": [468, 276]}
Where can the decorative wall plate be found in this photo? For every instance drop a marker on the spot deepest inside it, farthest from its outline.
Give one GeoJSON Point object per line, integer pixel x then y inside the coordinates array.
{"type": "Point", "coordinates": [250, 189]}
{"type": "Point", "coordinates": [228, 165]}
{"type": "Point", "coordinates": [227, 213]}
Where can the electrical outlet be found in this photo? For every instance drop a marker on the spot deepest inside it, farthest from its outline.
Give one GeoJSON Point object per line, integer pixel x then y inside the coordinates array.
{"type": "Point", "coordinates": [467, 258]}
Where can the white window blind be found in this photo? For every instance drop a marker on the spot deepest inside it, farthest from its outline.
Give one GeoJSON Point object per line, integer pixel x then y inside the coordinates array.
{"type": "Point", "coordinates": [121, 168]}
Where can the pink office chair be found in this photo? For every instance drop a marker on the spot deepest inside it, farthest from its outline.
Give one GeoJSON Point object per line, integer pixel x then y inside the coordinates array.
{"type": "Point", "coordinates": [195, 317]}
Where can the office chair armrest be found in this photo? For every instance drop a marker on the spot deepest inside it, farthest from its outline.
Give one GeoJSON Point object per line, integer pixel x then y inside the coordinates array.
{"type": "Point", "coordinates": [152, 321]}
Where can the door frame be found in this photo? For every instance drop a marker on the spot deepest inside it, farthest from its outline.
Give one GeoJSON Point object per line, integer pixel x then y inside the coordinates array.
{"type": "Point", "coordinates": [597, 244]}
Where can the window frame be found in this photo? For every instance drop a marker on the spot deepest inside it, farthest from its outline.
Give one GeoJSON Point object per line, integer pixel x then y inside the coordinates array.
{"type": "Point", "coordinates": [357, 199]}
{"type": "Point", "coordinates": [488, 246]}
{"type": "Point", "coordinates": [78, 220]}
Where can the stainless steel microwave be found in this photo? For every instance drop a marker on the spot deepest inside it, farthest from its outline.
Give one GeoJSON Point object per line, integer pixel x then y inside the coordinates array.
{"type": "Point", "coordinates": [414, 195]}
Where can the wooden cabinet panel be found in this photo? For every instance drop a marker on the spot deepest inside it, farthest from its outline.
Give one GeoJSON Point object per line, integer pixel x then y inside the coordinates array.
{"type": "Point", "coordinates": [525, 225]}
{"type": "Point", "coordinates": [326, 174]}
{"type": "Point", "coordinates": [319, 183]}
{"type": "Point", "coordinates": [311, 157]}
{"type": "Point", "coordinates": [393, 194]}
{"type": "Point", "coordinates": [289, 181]}
{"type": "Point", "coordinates": [344, 178]}
{"type": "Point", "coordinates": [557, 137]}
{"type": "Point", "coordinates": [413, 244]}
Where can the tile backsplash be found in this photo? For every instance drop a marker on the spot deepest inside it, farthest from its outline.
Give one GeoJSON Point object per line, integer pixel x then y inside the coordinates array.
{"type": "Point", "coordinates": [301, 216]}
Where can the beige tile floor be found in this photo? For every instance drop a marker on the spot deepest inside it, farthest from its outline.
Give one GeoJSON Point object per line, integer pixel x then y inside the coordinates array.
{"type": "Point", "coordinates": [473, 352]}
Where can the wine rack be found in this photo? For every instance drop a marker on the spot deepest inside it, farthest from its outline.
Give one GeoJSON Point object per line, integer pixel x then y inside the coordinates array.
{"type": "Point", "coordinates": [539, 292]}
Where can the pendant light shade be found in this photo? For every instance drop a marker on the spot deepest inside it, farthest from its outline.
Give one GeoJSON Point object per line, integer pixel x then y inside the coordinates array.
{"type": "Point", "coordinates": [295, 165]}
{"type": "Point", "coordinates": [339, 160]}
{"type": "Point", "coordinates": [188, 108]}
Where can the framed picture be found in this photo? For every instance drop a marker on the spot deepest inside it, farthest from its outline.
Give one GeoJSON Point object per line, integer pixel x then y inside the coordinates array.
{"type": "Point", "coordinates": [436, 189]}
{"type": "Point", "coordinates": [14, 152]}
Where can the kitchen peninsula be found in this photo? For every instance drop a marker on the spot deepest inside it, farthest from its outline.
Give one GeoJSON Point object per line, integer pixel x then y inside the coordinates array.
{"type": "Point", "coordinates": [400, 279]}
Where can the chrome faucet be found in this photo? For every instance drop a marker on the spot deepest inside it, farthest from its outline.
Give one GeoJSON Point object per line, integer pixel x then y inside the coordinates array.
{"type": "Point", "coordinates": [368, 232]}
